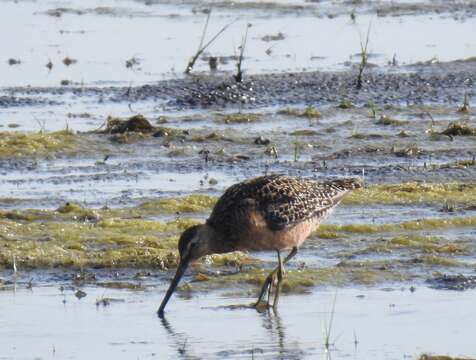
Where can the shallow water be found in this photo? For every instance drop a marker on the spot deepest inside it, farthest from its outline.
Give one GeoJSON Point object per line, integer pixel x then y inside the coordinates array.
{"type": "Point", "coordinates": [159, 36]}
{"type": "Point", "coordinates": [157, 167]}
{"type": "Point", "coordinates": [367, 324]}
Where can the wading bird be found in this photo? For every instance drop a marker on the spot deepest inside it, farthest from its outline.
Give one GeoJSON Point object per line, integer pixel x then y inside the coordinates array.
{"type": "Point", "coordinates": [273, 212]}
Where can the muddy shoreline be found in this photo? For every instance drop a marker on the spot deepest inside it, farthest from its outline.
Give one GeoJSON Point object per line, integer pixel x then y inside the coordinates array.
{"type": "Point", "coordinates": [464, 9]}
{"type": "Point", "coordinates": [439, 83]}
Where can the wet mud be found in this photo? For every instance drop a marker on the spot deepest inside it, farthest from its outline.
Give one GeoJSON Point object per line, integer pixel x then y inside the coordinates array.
{"type": "Point", "coordinates": [418, 84]}
{"type": "Point", "coordinates": [328, 8]}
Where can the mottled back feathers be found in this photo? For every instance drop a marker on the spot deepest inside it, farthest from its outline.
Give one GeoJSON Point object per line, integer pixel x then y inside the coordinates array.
{"type": "Point", "coordinates": [282, 201]}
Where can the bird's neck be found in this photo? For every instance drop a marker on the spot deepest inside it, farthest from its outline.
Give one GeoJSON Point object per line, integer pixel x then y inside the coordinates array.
{"type": "Point", "coordinates": [217, 244]}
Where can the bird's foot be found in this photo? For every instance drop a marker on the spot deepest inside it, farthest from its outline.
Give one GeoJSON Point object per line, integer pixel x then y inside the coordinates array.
{"type": "Point", "coordinates": [266, 289]}
{"type": "Point", "coordinates": [262, 306]}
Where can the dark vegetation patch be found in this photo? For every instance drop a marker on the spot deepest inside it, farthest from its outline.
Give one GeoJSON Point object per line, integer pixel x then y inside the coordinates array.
{"type": "Point", "coordinates": [452, 282]}
{"type": "Point", "coordinates": [138, 125]}
{"type": "Point", "coordinates": [459, 129]}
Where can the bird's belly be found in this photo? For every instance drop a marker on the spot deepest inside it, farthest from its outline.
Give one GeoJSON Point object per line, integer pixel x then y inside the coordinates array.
{"type": "Point", "coordinates": [260, 237]}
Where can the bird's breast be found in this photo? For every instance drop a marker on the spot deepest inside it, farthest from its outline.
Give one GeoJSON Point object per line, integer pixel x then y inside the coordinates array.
{"type": "Point", "coordinates": [258, 235]}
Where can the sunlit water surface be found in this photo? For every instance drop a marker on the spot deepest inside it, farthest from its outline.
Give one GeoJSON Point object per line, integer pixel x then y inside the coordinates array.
{"type": "Point", "coordinates": [45, 323]}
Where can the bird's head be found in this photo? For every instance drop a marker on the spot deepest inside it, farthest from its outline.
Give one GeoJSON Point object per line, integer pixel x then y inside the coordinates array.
{"type": "Point", "coordinates": [193, 244]}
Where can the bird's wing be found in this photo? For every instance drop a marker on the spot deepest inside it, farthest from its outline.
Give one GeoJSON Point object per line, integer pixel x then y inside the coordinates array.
{"type": "Point", "coordinates": [289, 200]}
{"type": "Point", "coordinates": [230, 212]}
{"type": "Point", "coordinates": [281, 200]}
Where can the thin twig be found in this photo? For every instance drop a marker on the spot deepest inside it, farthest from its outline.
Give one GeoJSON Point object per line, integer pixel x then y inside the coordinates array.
{"type": "Point", "coordinates": [42, 125]}
{"type": "Point", "coordinates": [202, 39]}
{"type": "Point", "coordinates": [431, 129]}
{"type": "Point", "coordinates": [202, 47]}
{"type": "Point", "coordinates": [239, 73]}
{"type": "Point", "coordinates": [329, 329]}
{"type": "Point", "coordinates": [205, 28]}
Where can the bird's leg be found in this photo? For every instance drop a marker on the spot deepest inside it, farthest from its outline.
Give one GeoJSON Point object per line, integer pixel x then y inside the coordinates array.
{"type": "Point", "coordinates": [280, 275]}
{"type": "Point", "coordinates": [276, 282]}
{"type": "Point", "coordinates": [271, 285]}
{"type": "Point", "coordinates": [266, 287]}
{"type": "Point", "coordinates": [269, 280]}
{"type": "Point", "coordinates": [270, 289]}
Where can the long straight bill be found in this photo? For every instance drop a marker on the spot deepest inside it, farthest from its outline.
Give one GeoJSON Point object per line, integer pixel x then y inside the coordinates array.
{"type": "Point", "coordinates": [173, 285]}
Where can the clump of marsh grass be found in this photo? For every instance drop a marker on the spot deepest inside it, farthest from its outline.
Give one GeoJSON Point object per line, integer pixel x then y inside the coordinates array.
{"type": "Point", "coordinates": [19, 144]}
{"type": "Point", "coordinates": [372, 110]}
{"type": "Point", "coordinates": [431, 128]}
{"type": "Point", "coordinates": [364, 58]}
{"type": "Point", "coordinates": [465, 107]}
{"type": "Point", "coordinates": [459, 129]}
{"type": "Point", "coordinates": [309, 112]}
{"type": "Point", "coordinates": [239, 72]}
{"type": "Point", "coordinates": [297, 151]}
{"type": "Point", "coordinates": [272, 151]}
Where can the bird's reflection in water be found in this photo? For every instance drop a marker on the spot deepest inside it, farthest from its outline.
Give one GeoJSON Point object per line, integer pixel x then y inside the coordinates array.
{"type": "Point", "coordinates": [179, 341]}
{"type": "Point", "coordinates": [280, 346]}
{"type": "Point", "coordinates": [273, 345]}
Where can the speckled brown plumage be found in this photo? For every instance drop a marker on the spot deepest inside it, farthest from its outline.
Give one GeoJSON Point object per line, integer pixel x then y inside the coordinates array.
{"type": "Point", "coordinates": [281, 202]}
{"type": "Point", "coordinates": [266, 213]}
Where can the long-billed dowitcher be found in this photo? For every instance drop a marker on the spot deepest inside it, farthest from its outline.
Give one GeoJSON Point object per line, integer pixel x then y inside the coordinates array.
{"type": "Point", "coordinates": [273, 212]}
